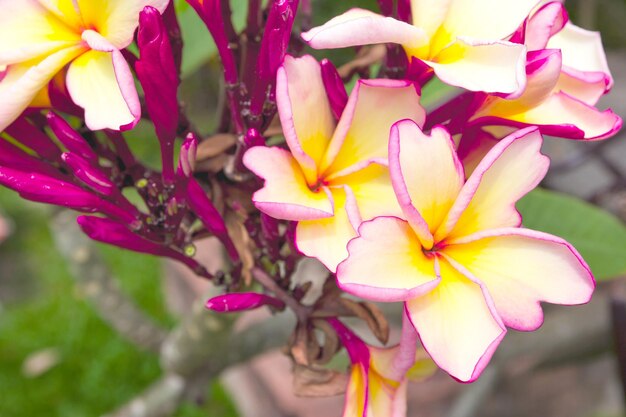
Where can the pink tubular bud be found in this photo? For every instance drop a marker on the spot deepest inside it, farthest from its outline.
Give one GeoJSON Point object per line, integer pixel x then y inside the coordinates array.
{"type": "Point", "coordinates": [157, 73]}
{"type": "Point", "coordinates": [117, 234]}
{"type": "Point", "coordinates": [30, 136]}
{"type": "Point", "coordinates": [274, 46]}
{"type": "Point", "coordinates": [210, 11]}
{"type": "Point", "coordinates": [187, 156]}
{"type": "Point", "coordinates": [404, 10]}
{"type": "Point", "coordinates": [173, 30]}
{"type": "Point", "coordinates": [335, 89]}
{"type": "Point", "coordinates": [88, 174]}
{"type": "Point", "coordinates": [386, 7]}
{"type": "Point", "coordinates": [210, 217]}
{"type": "Point", "coordinates": [230, 303]}
{"type": "Point", "coordinates": [44, 189]}
{"type": "Point", "coordinates": [13, 157]}
{"type": "Point", "coordinates": [357, 349]}
{"type": "Point", "coordinates": [253, 138]}
{"type": "Point", "coordinates": [70, 138]}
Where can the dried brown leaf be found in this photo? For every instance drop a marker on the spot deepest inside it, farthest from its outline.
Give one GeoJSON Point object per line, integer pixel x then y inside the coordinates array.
{"type": "Point", "coordinates": [331, 343]}
{"type": "Point", "coordinates": [212, 165]}
{"type": "Point", "coordinates": [318, 382]}
{"type": "Point", "coordinates": [299, 348]}
{"type": "Point", "coordinates": [215, 145]}
{"type": "Point", "coordinates": [372, 316]}
{"type": "Point", "coordinates": [243, 243]}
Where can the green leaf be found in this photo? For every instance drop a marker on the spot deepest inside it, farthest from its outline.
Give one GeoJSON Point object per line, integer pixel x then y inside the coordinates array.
{"type": "Point", "coordinates": [599, 236]}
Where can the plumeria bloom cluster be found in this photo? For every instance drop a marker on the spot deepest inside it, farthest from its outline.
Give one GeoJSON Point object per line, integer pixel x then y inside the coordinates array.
{"type": "Point", "coordinates": [400, 204]}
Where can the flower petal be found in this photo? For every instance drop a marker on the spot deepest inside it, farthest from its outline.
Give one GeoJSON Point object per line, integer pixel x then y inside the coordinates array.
{"type": "Point", "coordinates": [521, 268]}
{"type": "Point", "coordinates": [582, 50]}
{"type": "Point", "coordinates": [28, 30]}
{"type": "Point", "coordinates": [545, 23]}
{"type": "Point", "coordinates": [487, 19]}
{"type": "Point", "coordinates": [487, 201]}
{"type": "Point", "coordinates": [356, 393]}
{"type": "Point", "coordinates": [564, 116]}
{"type": "Point", "coordinates": [286, 194]}
{"type": "Point", "coordinates": [363, 27]}
{"type": "Point", "coordinates": [429, 14]}
{"type": "Point", "coordinates": [24, 81]}
{"type": "Point", "coordinates": [543, 71]}
{"type": "Point", "coordinates": [326, 239]}
{"type": "Point", "coordinates": [587, 87]}
{"type": "Point", "coordinates": [362, 134]}
{"type": "Point", "coordinates": [489, 66]}
{"type": "Point", "coordinates": [457, 324]}
{"type": "Point", "coordinates": [305, 112]}
{"type": "Point", "coordinates": [386, 398]}
{"type": "Point", "coordinates": [67, 11]}
{"type": "Point", "coordinates": [116, 20]}
{"type": "Point", "coordinates": [100, 81]}
{"type": "Point", "coordinates": [426, 175]}
{"type": "Point", "coordinates": [372, 191]}
{"type": "Point", "coordinates": [386, 263]}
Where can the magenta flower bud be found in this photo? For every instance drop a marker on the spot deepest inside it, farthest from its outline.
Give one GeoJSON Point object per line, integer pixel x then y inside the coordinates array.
{"type": "Point", "coordinates": [61, 101]}
{"type": "Point", "coordinates": [210, 11]}
{"type": "Point", "coordinates": [404, 10]}
{"type": "Point", "coordinates": [70, 138]}
{"type": "Point", "coordinates": [30, 136]}
{"type": "Point", "coordinates": [187, 156]}
{"type": "Point", "coordinates": [386, 7]}
{"type": "Point", "coordinates": [253, 138]}
{"type": "Point", "coordinates": [157, 73]}
{"type": "Point", "coordinates": [210, 217]}
{"type": "Point", "coordinates": [44, 189]}
{"type": "Point", "coordinates": [419, 73]}
{"type": "Point", "coordinates": [117, 234]}
{"type": "Point", "coordinates": [335, 89]}
{"type": "Point", "coordinates": [13, 157]}
{"type": "Point", "coordinates": [230, 303]}
{"type": "Point", "coordinates": [88, 174]}
{"type": "Point", "coordinates": [176, 39]}
{"type": "Point", "coordinates": [273, 49]}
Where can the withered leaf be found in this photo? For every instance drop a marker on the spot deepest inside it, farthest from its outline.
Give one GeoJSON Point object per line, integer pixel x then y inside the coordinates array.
{"type": "Point", "coordinates": [331, 341]}
{"type": "Point", "coordinates": [372, 315]}
{"type": "Point", "coordinates": [242, 241]}
{"type": "Point", "coordinates": [215, 145]}
{"type": "Point", "coordinates": [318, 382]}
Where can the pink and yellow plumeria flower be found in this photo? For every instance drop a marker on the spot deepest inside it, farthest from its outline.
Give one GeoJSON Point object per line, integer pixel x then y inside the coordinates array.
{"type": "Point", "coordinates": [463, 41]}
{"type": "Point", "coordinates": [458, 257]}
{"type": "Point", "coordinates": [335, 173]}
{"type": "Point", "coordinates": [585, 73]}
{"type": "Point", "coordinates": [38, 38]}
{"type": "Point", "coordinates": [378, 381]}
{"type": "Point", "coordinates": [564, 82]}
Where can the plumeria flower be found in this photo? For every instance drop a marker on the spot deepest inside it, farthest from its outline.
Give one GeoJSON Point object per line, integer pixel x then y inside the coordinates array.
{"type": "Point", "coordinates": [377, 385]}
{"type": "Point", "coordinates": [567, 73]}
{"type": "Point", "coordinates": [463, 41]}
{"type": "Point", "coordinates": [39, 38]}
{"type": "Point", "coordinates": [564, 84]}
{"type": "Point", "coordinates": [335, 173]}
{"type": "Point", "coordinates": [458, 257]}
{"type": "Point", "coordinates": [585, 73]}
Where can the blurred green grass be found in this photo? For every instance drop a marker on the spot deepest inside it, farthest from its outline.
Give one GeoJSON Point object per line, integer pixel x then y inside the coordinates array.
{"type": "Point", "coordinates": [97, 370]}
